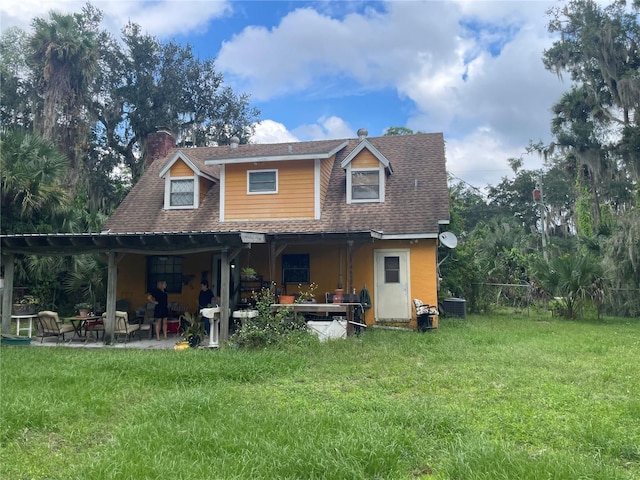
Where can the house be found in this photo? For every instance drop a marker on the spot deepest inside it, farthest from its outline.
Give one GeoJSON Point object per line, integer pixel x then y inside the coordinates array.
{"type": "Point", "coordinates": [353, 213]}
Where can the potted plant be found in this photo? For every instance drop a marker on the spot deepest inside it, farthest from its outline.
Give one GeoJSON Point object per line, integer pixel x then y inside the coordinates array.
{"type": "Point", "coordinates": [27, 305]}
{"type": "Point", "coordinates": [248, 273]}
{"type": "Point", "coordinates": [194, 329]}
{"type": "Point", "coordinates": [83, 308]}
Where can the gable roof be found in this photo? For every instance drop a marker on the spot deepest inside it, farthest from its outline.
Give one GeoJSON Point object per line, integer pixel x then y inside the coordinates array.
{"type": "Point", "coordinates": [179, 155]}
{"type": "Point", "coordinates": [361, 146]}
{"type": "Point", "coordinates": [416, 200]}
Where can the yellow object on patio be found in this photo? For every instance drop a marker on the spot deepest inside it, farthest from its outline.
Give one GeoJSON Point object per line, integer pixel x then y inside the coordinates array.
{"type": "Point", "coordinates": [179, 346]}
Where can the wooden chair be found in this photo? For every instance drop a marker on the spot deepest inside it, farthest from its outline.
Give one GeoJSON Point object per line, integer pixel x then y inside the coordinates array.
{"type": "Point", "coordinates": [51, 326]}
{"type": "Point", "coordinates": [122, 325]}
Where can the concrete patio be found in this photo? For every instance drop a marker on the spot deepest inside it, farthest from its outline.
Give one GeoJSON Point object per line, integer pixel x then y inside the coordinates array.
{"type": "Point", "coordinates": [135, 343]}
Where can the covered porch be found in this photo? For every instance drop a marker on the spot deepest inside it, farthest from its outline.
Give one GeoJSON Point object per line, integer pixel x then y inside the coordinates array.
{"type": "Point", "coordinates": [225, 255]}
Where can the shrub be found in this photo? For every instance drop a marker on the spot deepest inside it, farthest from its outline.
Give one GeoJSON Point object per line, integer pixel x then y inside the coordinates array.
{"type": "Point", "coordinates": [270, 328]}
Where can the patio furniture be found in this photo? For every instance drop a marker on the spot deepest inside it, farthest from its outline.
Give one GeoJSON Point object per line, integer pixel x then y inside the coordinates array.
{"type": "Point", "coordinates": [122, 325]}
{"type": "Point", "coordinates": [425, 315]}
{"type": "Point", "coordinates": [28, 318]}
{"type": "Point", "coordinates": [50, 325]}
{"type": "Point", "coordinates": [147, 320]}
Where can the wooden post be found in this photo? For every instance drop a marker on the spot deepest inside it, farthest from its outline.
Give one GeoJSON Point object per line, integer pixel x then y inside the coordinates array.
{"type": "Point", "coordinates": [350, 316]}
{"type": "Point", "coordinates": [8, 260]}
{"type": "Point", "coordinates": [224, 295]}
{"type": "Point", "coordinates": [112, 278]}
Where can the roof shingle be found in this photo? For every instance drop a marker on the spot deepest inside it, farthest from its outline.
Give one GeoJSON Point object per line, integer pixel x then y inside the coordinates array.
{"type": "Point", "coordinates": [416, 195]}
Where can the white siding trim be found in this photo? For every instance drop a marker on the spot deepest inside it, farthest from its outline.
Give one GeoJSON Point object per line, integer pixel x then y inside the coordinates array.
{"type": "Point", "coordinates": [222, 191]}
{"type": "Point", "coordinates": [317, 176]}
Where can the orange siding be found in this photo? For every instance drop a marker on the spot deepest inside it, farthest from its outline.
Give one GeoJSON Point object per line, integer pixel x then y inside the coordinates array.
{"type": "Point", "coordinates": [132, 280]}
{"type": "Point", "coordinates": [294, 199]}
{"type": "Point", "coordinates": [181, 169]}
{"type": "Point", "coordinates": [365, 159]}
{"type": "Point", "coordinates": [324, 269]}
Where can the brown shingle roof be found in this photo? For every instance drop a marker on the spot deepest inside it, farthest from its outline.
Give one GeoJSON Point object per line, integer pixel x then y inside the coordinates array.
{"type": "Point", "coordinates": [416, 197]}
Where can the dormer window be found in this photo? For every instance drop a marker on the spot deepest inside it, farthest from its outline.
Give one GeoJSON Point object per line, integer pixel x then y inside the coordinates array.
{"type": "Point", "coordinates": [181, 192]}
{"type": "Point", "coordinates": [183, 181]}
{"type": "Point", "coordinates": [365, 184]}
{"type": "Point", "coordinates": [366, 170]}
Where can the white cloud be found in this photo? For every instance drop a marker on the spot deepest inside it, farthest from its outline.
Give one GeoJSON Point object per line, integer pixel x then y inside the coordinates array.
{"type": "Point", "coordinates": [270, 131]}
{"type": "Point", "coordinates": [326, 128]}
{"type": "Point", "coordinates": [480, 158]}
{"type": "Point", "coordinates": [163, 18]}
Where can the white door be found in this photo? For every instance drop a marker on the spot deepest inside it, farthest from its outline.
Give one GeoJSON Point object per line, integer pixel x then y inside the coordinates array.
{"type": "Point", "coordinates": [391, 276]}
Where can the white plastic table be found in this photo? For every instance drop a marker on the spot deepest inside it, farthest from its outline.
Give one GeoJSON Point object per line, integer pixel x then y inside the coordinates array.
{"type": "Point", "coordinates": [28, 328]}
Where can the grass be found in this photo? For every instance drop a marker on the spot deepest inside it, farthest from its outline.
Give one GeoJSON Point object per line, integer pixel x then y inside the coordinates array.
{"type": "Point", "coordinates": [482, 398]}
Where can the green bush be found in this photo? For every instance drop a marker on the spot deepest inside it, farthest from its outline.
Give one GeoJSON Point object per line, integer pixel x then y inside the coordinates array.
{"type": "Point", "coordinates": [270, 328]}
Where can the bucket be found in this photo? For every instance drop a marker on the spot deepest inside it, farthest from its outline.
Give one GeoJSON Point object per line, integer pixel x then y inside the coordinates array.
{"type": "Point", "coordinates": [288, 299]}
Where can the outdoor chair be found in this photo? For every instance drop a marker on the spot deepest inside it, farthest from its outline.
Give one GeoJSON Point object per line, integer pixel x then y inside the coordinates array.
{"type": "Point", "coordinates": [147, 320]}
{"type": "Point", "coordinates": [122, 325]}
{"type": "Point", "coordinates": [50, 325]}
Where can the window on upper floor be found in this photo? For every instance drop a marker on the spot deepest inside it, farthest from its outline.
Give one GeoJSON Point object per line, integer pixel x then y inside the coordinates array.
{"type": "Point", "coordinates": [181, 193]}
{"type": "Point", "coordinates": [365, 185]}
{"type": "Point", "coordinates": [262, 181]}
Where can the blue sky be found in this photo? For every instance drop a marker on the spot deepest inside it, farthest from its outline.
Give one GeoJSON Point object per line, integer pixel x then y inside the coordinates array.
{"type": "Point", "coordinates": [317, 70]}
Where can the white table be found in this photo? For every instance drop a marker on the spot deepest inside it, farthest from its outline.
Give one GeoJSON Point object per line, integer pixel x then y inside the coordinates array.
{"type": "Point", "coordinates": [213, 314]}
{"type": "Point", "coordinates": [28, 328]}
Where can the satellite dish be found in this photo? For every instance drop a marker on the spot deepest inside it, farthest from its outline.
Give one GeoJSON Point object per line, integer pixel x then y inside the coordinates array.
{"type": "Point", "coordinates": [448, 239]}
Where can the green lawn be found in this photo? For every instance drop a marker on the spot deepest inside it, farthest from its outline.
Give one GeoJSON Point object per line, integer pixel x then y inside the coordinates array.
{"type": "Point", "coordinates": [483, 398]}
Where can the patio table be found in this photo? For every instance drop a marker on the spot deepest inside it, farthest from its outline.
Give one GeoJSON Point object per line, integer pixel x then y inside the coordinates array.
{"type": "Point", "coordinates": [28, 328]}
{"type": "Point", "coordinates": [79, 323]}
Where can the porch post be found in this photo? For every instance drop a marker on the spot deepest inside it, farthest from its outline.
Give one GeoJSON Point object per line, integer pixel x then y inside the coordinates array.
{"type": "Point", "coordinates": [224, 295]}
{"type": "Point", "coordinates": [7, 293]}
{"type": "Point", "coordinates": [350, 329]}
{"type": "Point", "coordinates": [112, 277]}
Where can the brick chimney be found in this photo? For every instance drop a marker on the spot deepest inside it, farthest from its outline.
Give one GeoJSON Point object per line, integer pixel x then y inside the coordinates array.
{"type": "Point", "coordinates": [158, 144]}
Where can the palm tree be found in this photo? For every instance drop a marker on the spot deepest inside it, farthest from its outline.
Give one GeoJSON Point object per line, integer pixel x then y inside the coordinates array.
{"type": "Point", "coordinates": [64, 54]}
{"type": "Point", "coordinates": [572, 279]}
{"type": "Point", "coordinates": [31, 173]}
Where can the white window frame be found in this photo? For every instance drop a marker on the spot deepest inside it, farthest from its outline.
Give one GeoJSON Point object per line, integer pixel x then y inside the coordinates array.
{"type": "Point", "coordinates": [249, 172]}
{"type": "Point", "coordinates": [167, 193]}
{"type": "Point", "coordinates": [381, 178]}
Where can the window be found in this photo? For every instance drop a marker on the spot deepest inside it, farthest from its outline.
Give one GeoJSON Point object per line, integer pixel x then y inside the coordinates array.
{"type": "Point", "coordinates": [182, 193]}
{"type": "Point", "coordinates": [167, 268]}
{"type": "Point", "coordinates": [365, 184]}
{"type": "Point", "coordinates": [262, 181]}
{"type": "Point", "coordinates": [295, 268]}
{"type": "Point", "coordinates": [391, 269]}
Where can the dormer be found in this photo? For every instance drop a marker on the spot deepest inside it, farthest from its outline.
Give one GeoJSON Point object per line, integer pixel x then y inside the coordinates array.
{"type": "Point", "coordinates": [184, 183]}
{"type": "Point", "coordinates": [366, 171]}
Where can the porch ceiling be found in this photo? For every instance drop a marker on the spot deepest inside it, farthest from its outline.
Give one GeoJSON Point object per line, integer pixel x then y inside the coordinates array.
{"type": "Point", "coordinates": [139, 242]}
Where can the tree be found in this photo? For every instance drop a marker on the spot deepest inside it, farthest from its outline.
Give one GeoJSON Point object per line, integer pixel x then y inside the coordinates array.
{"type": "Point", "coordinates": [146, 84]}
{"type": "Point", "coordinates": [63, 54]}
{"type": "Point", "coordinates": [398, 131]}
{"type": "Point", "coordinates": [572, 280]}
{"type": "Point", "coordinates": [596, 123]}
{"type": "Point", "coordinates": [31, 173]}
